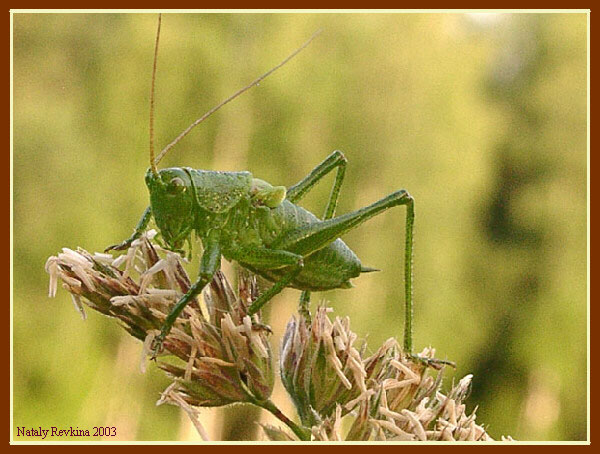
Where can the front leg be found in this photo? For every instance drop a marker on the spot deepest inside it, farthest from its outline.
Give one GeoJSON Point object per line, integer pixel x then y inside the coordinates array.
{"type": "Point", "coordinates": [209, 265]}
{"type": "Point", "coordinates": [139, 229]}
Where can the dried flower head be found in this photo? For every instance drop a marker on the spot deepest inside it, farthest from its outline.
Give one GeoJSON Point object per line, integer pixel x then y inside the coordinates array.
{"type": "Point", "coordinates": [385, 396]}
{"type": "Point", "coordinates": [322, 370]}
{"type": "Point", "coordinates": [429, 416]}
{"type": "Point", "coordinates": [320, 367]}
{"type": "Point", "coordinates": [232, 357]}
{"type": "Point", "coordinates": [226, 357]}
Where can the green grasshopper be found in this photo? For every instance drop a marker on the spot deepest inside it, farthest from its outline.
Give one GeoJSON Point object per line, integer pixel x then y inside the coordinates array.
{"type": "Point", "coordinates": [260, 226]}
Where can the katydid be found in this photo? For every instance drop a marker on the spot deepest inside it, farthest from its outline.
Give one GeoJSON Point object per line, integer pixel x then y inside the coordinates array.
{"type": "Point", "coordinates": [260, 226]}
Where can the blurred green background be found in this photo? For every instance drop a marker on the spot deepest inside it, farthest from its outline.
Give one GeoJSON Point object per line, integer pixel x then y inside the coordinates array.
{"type": "Point", "coordinates": [482, 117]}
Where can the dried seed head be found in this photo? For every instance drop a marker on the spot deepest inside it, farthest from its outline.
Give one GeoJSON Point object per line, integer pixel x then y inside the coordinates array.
{"type": "Point", "coordinates": [225, 356]}
{"type": "Point", "coordinates": [409, 406]}
{"type": "Point", "coordinates": [321, 368]}
{"type": "Point", "coordinates": [388, 395]}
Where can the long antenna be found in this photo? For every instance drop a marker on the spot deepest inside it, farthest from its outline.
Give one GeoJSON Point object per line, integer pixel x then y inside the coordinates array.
{"type": "Point", "coordinates": [232, 97]}
{"type": "Point", "coordinates": [152, 163]}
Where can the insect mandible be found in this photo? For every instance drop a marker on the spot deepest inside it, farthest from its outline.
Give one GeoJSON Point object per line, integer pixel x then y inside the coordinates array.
{"type": "Point", "coordinates": [260, 226]}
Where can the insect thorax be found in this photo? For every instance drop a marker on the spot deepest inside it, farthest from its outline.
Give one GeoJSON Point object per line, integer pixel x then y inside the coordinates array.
{"type": "Point", "coordinates": [218, 192]}
{"type": "Point", "coordinates": [186, 199]}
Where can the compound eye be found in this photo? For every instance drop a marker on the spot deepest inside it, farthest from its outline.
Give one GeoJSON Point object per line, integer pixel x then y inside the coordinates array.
{"type": "Point", "coordinates": [176, 185]}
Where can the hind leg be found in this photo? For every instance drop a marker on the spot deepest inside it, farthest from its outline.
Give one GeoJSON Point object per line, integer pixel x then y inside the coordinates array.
{"type": "Point", "coordinates": [308, 239]}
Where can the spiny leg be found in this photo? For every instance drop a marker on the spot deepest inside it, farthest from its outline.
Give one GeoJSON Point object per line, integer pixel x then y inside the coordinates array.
{"type": "Point", "coordinates": [408, 301]}
{"type": "Point", "coordinates": [296, 192]}
{"type": "Point", "coordinates": [311, 238]}
{"type": "Point", "coordinates": [209, 265]}
{"type": "Point", "coordinates": [139, 229]}
{"type": "Point", "coordinates": [314, 236]}
{"type": "Point", "coordinates": [304, 305]}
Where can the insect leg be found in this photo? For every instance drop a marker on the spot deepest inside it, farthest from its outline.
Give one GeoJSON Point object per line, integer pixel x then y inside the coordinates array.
{"type": "Point", "coordinates": [268, 259]}
{"type": "Point", "coordinates": [335, 159]}
{"type": "Point", "coordinates": [304, 305]}
{"type": "Point", "coordinates": [209, 265]}
{"type": "Point", "coordinates": [276, 288]}
{"type": "Point", "coordinates": [296, 192]}
{"type": "Point", "coordinates": [312, 237]}
{"type": "Point", "coordinates": [139, 229]}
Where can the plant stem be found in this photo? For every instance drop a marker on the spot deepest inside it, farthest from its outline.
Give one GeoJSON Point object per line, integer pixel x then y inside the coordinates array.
{"type": "Point", "coordinates": [301, 432]}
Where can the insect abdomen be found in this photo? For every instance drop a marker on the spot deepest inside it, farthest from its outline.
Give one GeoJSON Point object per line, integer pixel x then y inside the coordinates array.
{"type": "Point", "coordinates": [330, 267]}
